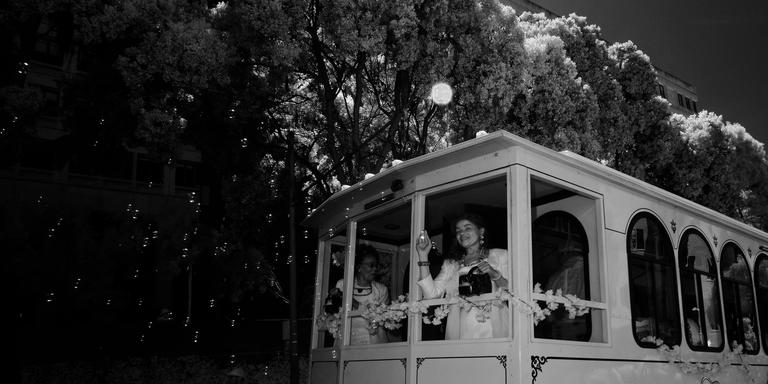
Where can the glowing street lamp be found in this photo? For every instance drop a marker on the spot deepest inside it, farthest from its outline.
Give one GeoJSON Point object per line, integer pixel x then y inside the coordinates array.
{"type": "Point", "coordinates": [441, 93]}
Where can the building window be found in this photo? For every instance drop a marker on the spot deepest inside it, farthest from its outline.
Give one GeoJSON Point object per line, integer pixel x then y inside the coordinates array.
{"type": "Point", "coordinates": [148, 171]}
{"type": "Point", "coordinates": [652, 282]}
{"type": "Point", "coordinates": [565, 258]}
{"type": "Point", "coordinates": [186, 175]}
{"type": "Point", "coordinates": [761, 289]}
{"type": "Point", "coordinates": [51, 99]}
{"type": "Point", "coordinates": [701, 296]}
{"type": "Point", "coordinates": [695, 108]}
{"type": "Point", "coordinates": [680, 100]}
{"type": "Point", "coordinates": [688, 104]}
{"type": "Point", "coordinates": [738, 301]}
{"type": "Point", "coordinates": [662, 90]}
{"type": "Point", "coordinates": [47, 48]}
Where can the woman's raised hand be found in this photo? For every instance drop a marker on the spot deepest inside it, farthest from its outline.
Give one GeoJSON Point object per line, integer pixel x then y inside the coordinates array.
{"type": "Point", "coordinates": [423, 244]}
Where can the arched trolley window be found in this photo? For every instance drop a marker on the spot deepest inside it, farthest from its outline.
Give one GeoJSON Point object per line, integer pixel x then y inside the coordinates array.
{"type": "Point", "coordinates": [761, 289]}
{"type": "Point", "coordinates": [738, 301]}
{"type": "Point", "coordinates": [701, 296]}
{"type": "Point", "coordinates": [652, 282]}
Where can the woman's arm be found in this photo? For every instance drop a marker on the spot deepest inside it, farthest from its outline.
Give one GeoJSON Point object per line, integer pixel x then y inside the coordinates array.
{"type": "Point", "coordinates": [496, 267]}
{"type": "Point", "coordinates": [434, 288]}
{"type": "Point", "coordinates": [423, 246]}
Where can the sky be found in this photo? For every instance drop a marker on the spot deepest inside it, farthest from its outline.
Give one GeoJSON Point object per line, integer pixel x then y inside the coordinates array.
{"type": "Point", "coordinates": [721, 47]}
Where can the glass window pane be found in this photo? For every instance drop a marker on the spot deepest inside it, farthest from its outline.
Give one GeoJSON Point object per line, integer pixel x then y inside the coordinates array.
{"type": "Point", "coordinates": [653, 288]}
{"type": "Point", "coordinates": [380, 276]}
{"type": "Point", "coordinates": [468, 260]}
{"type": "Point", "coordinates": [712, 316]}
{"type": "Point", "coordinates": [761, 288]}
{"type": "Point", "coordinates": [564, 260]}
{"type": "Point", "coordinates": [560, 262]}
{"type": "Point", "coordinates": [329, 322]}
{"type": "Point", "coordinates": [701, 296]}
{"type": "Point", "coordinates": [733, 265]}
{"type": "Point", "coordinates": [740, 318]}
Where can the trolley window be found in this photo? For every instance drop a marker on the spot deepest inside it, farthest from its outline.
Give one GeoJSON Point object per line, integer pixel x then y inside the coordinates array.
{"type": "Point", "coordinates": [652, 282]}
{"type": "Point", "coordinates": [328, 323]}
{"type": "Point", "coordinates": [565, 260]}
{"type": "Point", "coordinates": [380, 270]}
{"type": "Point", "coordinates": [467, 263]}
{"type": "Point", "coordinates": [738, 301]}
{"type": "Point", "coordinates": [701, 295]}
{"type": "Point", "coordinates": [761, 288]}
{"type": "Point", "coordinates": [560, 262]}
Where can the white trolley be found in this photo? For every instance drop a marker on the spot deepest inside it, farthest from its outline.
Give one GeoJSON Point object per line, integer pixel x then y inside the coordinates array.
{"type": "Point", "coordinates": [651, 267]}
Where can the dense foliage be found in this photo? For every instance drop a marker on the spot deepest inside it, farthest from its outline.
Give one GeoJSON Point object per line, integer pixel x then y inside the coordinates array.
{"type": "Point", "coordinates": [352, 80]}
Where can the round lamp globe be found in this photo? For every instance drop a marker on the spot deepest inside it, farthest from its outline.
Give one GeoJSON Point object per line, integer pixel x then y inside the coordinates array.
{"type": "Point", "coordinates": [442, 93]}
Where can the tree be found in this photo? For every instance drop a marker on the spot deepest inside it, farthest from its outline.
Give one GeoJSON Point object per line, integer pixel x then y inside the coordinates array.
{"type": "Point", "coordinates": [720, 166]}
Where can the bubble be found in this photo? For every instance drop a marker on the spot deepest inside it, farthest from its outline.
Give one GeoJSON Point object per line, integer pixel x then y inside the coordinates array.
{"type": "Point", "coordinates": [244, 142]}
{"type": "Point", "coordinates": [50, 297]}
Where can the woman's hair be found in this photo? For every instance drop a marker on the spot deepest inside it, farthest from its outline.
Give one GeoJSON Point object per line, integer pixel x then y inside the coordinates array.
{"type": "Point", "coordinates": [364, 250]}
{"type": "Point", "coordinates": [456, 251]}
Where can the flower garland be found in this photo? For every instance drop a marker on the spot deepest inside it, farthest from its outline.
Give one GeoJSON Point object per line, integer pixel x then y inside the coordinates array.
{"type": "Point", "coordinates": [330, 323]}
{"type": "Point", "coordinates": [390, 316]}
{"type": "Point", "coordinates": [554, 299]}
{"type": "Point", "coordinates": [687, 366]}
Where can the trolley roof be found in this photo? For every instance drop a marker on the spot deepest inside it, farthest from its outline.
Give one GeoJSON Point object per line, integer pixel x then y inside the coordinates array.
{"type": "Point", "coordinates": [494, 142]}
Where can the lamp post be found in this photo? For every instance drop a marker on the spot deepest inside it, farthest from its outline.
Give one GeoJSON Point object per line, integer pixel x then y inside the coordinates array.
{"type": "Point", "coordinates": [293, 327]}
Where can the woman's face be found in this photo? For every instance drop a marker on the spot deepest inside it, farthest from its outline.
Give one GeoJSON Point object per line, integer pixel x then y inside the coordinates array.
{"type": "Point", "coordinates": [366, 270]}
{"type": "Point", "coordinates": [467, 233]}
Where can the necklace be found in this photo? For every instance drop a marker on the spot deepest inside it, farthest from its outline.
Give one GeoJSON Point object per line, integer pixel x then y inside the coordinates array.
{"type": "Point", "coordinates": [476, 258]}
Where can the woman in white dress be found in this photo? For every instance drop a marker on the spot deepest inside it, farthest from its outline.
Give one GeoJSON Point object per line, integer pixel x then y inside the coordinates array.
{"type": "Point", "coordinates": [463, 323]}
{"type": "Point", "coordinates": [366, 290]}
